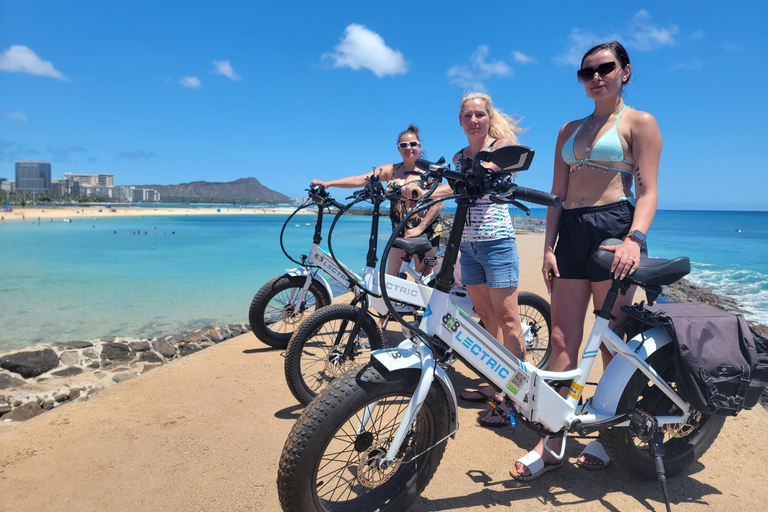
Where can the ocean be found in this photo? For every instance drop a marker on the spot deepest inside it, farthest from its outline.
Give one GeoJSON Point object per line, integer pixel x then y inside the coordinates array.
{"type": "Point", "coordinates": [147, 276]}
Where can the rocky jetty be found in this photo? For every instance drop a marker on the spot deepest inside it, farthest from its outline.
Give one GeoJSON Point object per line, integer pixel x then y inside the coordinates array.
{"type": "Point", "coordinates": [42, 377]}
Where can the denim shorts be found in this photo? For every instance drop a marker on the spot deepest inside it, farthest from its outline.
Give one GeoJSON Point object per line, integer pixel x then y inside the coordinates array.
{"type": "Point", "coordinates": [493, 263]}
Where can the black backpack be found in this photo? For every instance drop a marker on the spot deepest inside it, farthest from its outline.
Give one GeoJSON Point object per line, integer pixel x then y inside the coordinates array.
{"type": "Point", "coordinates": [718, 367]}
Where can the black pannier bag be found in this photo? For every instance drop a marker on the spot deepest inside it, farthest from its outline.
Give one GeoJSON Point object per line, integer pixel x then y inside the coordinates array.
{"type": "Point", "coordinates": [716, 361]}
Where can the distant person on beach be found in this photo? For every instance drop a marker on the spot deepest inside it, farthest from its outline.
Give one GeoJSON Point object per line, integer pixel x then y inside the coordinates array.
{"type": "Point", "coordinates": [597, 160]}
{"type": "Point", "coordinates": [489, 262]}
{"type": "Point", "coordinates": [400, 174]}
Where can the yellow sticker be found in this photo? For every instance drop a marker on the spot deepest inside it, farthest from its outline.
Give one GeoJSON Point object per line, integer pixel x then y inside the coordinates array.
{"type": "Point", "coordinates": [575, 390]}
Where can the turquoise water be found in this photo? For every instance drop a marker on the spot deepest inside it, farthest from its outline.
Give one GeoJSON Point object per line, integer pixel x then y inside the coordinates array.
{"type": "Point", "coordinates": [91, 278]}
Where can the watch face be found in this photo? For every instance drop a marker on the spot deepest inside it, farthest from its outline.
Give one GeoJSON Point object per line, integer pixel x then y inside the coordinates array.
{"type": "Point", "coordinates": [638, 235]}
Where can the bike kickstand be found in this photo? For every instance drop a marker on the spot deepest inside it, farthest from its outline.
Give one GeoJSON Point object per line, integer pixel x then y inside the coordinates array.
{"type": "Point", "coordinates": [658, 451]}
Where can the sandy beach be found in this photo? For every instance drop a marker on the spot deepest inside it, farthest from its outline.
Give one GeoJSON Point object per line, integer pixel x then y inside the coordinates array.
{"type": "Point", "coordinates": [48, 214]}
{"type": "Point", "coordinates": [205, 433]}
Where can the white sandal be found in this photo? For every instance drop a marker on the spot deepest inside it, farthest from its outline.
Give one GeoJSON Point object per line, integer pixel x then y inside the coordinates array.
{"type": "Point", "coordinates": [535, 465]}
{"type": "Point", "coordinates": [595, 448]}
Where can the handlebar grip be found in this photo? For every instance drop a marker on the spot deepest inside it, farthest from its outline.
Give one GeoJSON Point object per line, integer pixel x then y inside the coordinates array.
{"type": "Point", "coordinates": [423, 165]}
{"type": "Point", "coordinates": [536, 196]}
{"type": "Point", "coordinates": [336, 204]}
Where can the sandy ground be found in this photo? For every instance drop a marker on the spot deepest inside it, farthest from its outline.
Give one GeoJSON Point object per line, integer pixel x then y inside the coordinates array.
{"type": "Point", "coordinates": [205, 433]}
{"type": "Point", "coordinates": [92, 212]}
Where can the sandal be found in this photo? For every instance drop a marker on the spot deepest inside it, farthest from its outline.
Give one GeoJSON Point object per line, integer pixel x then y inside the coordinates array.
{"type": "Point", "coordinates": [496, 418]}
{"type": "Point", "coordinates": [595, 449]}
{"type": "Point", "coordinates": [535, 465]}
{"type": "Point", "coordinates": [477, 396]}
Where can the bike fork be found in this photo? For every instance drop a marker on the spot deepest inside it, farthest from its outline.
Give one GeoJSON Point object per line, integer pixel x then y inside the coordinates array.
{"type": "Point", "coordinates": [427, 376]}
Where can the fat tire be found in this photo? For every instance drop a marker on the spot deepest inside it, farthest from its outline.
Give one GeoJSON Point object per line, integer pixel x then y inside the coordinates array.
{"type": "Point", "coordinates": [536, 311]}
{"type": "Point", "coordinates": [635, 457]}
{"type": "Point", "coordinates": [273, 297]}
{"type": "Point", "coordinates": [307, 361]}
{"type": "Point", "coordinates": [324, 435]}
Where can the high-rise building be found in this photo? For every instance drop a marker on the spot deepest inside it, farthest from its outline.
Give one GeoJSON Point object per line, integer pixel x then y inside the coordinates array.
{"type": "Point", "coordinates": [33, 176]}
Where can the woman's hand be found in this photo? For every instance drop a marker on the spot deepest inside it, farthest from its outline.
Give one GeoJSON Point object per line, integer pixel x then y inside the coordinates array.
{"type": "Point", "coordinates": [549, 269]}
{"type": "Point", "coordinates": [626, 257]}
{"type": "Point", "coordinates": [323, 184]}
{"type": "Point", "coordinates": [411, 191]}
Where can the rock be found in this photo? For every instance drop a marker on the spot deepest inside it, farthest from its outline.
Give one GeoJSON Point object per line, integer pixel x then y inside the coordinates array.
{"type": "Point", "coordinates": [139, 346]}
{"type": "Point", "coordinates": [30, 364]}
{"type": "Point", "coordinates": [24, 412]}
{"type": "Point", "coordinates": [148, 367]}
{"type": "Point", "coordinates": [150, 357]}
{"type": "Point", "coordinates": [4, 408]}
{"type": "Point", "coordinates": [214, 336]}
{"type": "Point", "coordinates": [70, 358]}
{"type": "Point", "coordinates": [68, 372]}
{"type": "Point", "coordinates": [187, 349]}
{"type": "Point", "coordinates": [164, 347]}
{"type": "Point", "coordinates": [91, 353]}
{"type": "Point", "coordinates": [61, 398]}
{"type": "Point", "coordinates": [72, 344]}
{"type": "Point", "coordinates": [74, 393]}
{"type": "Point", "coordinates": [116, 352]}
{"type": "Point", "coordinates": [108, 339]}
{"type": "Point", "coordinates": [48, 404]}
{"type": "Point", "coordinates": [8, 381]}
{"type": "Point", "coordinates": [121, 377]}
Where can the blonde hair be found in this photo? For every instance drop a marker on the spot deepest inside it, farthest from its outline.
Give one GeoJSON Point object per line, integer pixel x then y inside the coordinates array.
{"type": "Point", "coordinates": [502, 126]}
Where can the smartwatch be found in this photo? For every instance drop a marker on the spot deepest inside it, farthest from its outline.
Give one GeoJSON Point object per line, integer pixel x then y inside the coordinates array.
{"type": "Point", "coordinates": [637, 235]}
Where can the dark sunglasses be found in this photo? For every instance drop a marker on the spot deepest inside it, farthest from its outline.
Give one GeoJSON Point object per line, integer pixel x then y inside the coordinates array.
{"type": "Point", "coordinates": [602, 70]}
{"type": "Point", "coordinates": [413, 144]}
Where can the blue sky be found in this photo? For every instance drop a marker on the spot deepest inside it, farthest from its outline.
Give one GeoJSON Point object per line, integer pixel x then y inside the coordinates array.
{"type": "Point", "coordinates": [171, 92]}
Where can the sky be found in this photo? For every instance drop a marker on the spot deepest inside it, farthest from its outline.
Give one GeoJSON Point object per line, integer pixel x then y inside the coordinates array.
{"type": "Point", "coordinates": [178, 91]}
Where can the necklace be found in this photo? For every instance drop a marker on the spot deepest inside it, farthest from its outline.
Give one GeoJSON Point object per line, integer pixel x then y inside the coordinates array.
{"type": "Point", "coordinates": [594, 123]}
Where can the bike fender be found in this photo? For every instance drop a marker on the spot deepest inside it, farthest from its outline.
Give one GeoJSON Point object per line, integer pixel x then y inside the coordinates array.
{"type": "Point", "coordinates": [303, 272]}
{"type": "Point", "coordinates": [620, 370]}
{"type": "Point", "coordinates": [405, 357]}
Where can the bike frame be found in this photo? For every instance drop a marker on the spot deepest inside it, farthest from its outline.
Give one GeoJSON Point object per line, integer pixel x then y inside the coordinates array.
{"type": "Point", "coordinates": [523, 383]}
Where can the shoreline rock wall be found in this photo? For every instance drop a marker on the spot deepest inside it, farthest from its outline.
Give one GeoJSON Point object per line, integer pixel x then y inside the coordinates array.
{"type": "Point", "coordinates": [42, 377]}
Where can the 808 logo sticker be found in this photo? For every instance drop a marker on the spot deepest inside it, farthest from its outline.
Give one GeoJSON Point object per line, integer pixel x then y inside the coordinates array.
{"type": "Point", "coordinates": [450, 323]}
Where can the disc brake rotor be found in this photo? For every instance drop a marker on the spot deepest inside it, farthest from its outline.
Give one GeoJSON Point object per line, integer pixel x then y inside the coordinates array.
{"type": "Point", "coordinates": [369, 472]}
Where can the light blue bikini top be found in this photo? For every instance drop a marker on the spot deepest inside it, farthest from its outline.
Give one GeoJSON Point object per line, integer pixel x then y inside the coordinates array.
{"type": "Point", "coordinates": [605, 149]}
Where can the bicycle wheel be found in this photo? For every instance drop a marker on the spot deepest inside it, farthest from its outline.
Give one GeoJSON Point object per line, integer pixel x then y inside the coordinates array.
{"type": "Point", "coordinates": [683, 443]}
{"type": "Point", "coordinates": [330, 463]}
{"type": "Point", "coordinates": [536, 316]}
{"type": "Point", "coordinates": [274, 314]}
{"type": "Point", "coordinates": [316, 352]}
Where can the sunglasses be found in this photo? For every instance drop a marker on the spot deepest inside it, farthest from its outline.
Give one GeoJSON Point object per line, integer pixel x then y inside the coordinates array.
{"type": "Point", "coordinates": [413, 144]}
{"type": "Point", "coordinates": [602, 70]}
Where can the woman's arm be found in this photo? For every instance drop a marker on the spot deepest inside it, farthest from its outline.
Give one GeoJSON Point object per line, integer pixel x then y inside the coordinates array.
{"type": "Point", "coordinates": [646, 151]}
{"type": "Point", "coordinates": [428, 219]}
{"type": "Point", "coordinates": [560, 177]}
{"type": "Point", "coordinates": [384, 172]}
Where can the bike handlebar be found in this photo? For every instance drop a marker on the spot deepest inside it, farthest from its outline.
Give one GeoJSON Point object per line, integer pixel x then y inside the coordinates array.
{"type": "Point", "coordinates": [532, 196]}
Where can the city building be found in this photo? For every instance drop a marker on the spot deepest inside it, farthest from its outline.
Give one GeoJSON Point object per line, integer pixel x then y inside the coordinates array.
{"type": "Point", "coordinates": [105, 180]}
{"type": "Point", "coordinates": [33, 176]}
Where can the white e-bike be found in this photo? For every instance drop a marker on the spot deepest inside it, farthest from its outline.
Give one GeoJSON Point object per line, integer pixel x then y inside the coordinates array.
{"type": "Point", "coordinates": [372, 440]}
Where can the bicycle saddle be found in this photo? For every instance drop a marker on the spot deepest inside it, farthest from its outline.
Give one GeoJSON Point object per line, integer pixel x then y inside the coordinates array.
{"type": "Point", "coordinates": [414, 245]}
{"type": "Point", "coordinates": [652, 271]}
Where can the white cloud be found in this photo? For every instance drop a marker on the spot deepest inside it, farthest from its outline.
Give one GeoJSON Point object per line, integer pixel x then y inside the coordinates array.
{"type": "Point", "coordinates": [639, 33]}
{"type": "Point", "coordinates": [223, 67]}
{"type": "Point", "coordinates": [522, 58]}
{"type": "Point", "coordinates": [363, 48]}
{"type": "Point", "coordinates": [643, 35]}
{"type": "Point", "coordinates": [472, 76]}
{"type": "Point", "coordinates": [15, 115]}
{"type": "Point", "coordinates": [20, 59]}
{"type": "Point", "coordinates": [191, 82]}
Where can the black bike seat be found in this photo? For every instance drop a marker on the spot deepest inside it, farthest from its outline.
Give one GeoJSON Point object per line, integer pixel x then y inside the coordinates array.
{"type": "Point", "coordinates": [652, 271]}
{"type": "Point", "coordinates": [415, 245]}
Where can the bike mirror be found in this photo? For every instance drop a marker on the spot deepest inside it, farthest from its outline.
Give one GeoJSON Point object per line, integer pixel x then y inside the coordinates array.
{"type": "Point", "coordinates": [510, 158]}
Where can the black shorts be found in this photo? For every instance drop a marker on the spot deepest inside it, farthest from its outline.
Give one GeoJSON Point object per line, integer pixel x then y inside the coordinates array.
{"type": "Point", "coordinates": [580, 234]}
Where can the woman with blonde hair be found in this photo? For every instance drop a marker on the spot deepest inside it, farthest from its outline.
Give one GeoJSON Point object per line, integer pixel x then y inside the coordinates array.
{"type": "Point", "coordinates": [489, 261]}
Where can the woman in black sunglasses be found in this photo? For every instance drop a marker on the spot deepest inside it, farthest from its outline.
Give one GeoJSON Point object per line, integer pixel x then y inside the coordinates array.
{"type": "Point", "coordinates": [405, 172]}
{"type": "Point", "coordinates": [597, 161]}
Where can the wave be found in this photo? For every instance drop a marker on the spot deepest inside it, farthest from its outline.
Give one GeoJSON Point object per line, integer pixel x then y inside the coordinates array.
{"type": "Point", "coordinates": [749, 288]}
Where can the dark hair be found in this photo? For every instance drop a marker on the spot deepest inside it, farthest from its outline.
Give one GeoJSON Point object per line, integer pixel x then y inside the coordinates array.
{"type": "Point", "coordinates": [411, 129]}
{"type": "Point", "coordinates": [618, 51]}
